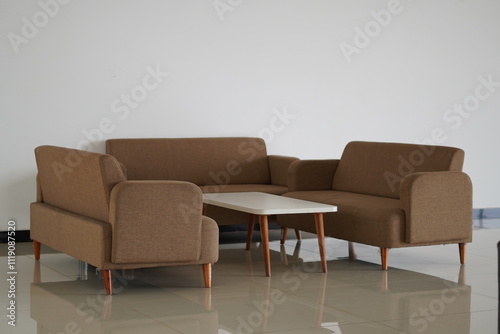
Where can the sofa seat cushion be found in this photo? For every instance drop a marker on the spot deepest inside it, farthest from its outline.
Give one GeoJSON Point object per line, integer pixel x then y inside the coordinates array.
{"type": "Point", "coordinates": [360, 218]}
{"type": "Point", "coordinates": [232, 188]}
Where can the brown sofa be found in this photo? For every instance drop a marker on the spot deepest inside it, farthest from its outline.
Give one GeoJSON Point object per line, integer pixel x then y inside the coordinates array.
{"type": "Point", "coordinates": [88, 209]}
{"type": "Point", "coordinates": [388, 195]}
{"type": "Point", "coordinates": [231, 164]}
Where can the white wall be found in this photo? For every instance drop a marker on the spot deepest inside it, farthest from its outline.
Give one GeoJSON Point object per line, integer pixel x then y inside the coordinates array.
{"type": "Point", "coordinates": [233, 68]}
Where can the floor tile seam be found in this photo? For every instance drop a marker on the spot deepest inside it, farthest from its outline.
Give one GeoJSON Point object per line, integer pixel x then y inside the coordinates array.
{"type": "Point", "coordinates": [444, 315]}
{"type": "Point", "coordinates": [400, 331]}
{"type": "Point", "coordinates": [150, 317]}
{"type": "Point", "coordinates": [489, 257]}
{"type": "Point", "coordinates": [316, 327]}
{"type": "Point", "coordinates": [482, 245]}
{"type": "Point", "coordinates": [405, 318]}
{"type": "Point", "coordinates": [434, 315]}
{"type": "Point", "coordinates": [72, 277]}
{"type": "Point", "coordinates": [332, 308]}
{"type": "Point", "coordinates": [340, 325]}
{"type": "Point", "coordinates": [485, 311]}
{"type": "Point", "coordinates": [418, 271]}
{"type": "Point", "coordinates": [484, 295]}
{"type": "Point", "coordinates": [21, 309]}
{"type": "Point", "coordinates": [313, 301]}
{"type": "Point", "coordinates": [284, 330]}
{"type": "Point", "coordinates": [357, 285]}
{"type": "Point", "coordinates": [481, 274]}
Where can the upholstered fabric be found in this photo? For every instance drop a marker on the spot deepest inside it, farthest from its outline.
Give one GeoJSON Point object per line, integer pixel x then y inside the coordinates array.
{"type": "Point", "coordinates": [360, 218]}
{"type": "Point", "coordinates": [311, 174]}
{"type": "Point", "coordinates": [77, 181]}
{"type": "Point", "coordinates": [437, 205]}
{"type": "Point", "coordinates": [377, 168]}
{"type": "Point", "coordinates": [82, 237]}
{"type": "Point", "coordinates": [278, 167]}
{"type": "Point", "coordinates": [145, 214]}
{"type": "Point", "coordinates": [203, 161]}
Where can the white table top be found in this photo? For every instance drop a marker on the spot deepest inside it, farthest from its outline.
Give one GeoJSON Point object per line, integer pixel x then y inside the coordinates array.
{"type": "Point", "coordinates": [265, 204]}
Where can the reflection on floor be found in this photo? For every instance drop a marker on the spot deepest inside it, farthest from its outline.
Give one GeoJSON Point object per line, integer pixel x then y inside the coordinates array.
{"type": "Point", "coordinates": [425, 290]}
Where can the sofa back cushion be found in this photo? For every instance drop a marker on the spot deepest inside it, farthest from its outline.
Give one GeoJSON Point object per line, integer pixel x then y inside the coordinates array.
{"type": "Point", "coordinates": [203, 161]}
{"type": "Point", "coordinates": [77, 181]}
{"type": "Point", "coordinates": [377, 168]}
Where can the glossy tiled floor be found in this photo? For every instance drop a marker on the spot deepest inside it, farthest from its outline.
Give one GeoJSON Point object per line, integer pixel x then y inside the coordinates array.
{"type": "Point", "coordinates": [425, 290]}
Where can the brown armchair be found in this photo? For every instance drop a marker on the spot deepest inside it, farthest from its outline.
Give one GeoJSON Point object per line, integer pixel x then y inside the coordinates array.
{"type": "Point", "coordinates": [87, 209]}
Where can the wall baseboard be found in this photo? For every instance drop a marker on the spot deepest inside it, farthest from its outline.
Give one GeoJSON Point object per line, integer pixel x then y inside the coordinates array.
{"type": "Point", "coordinates": [488, 213]}
{"type": "Point", "coordinates": [24, 235]}
{"type": "Point", "coordinates": [21, 236]}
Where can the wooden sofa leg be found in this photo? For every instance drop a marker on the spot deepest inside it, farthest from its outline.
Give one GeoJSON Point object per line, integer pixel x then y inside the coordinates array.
{"type": "Point", "coordinates": [352, 252]}
{"type": "Point", "coordinates": [108, 285]}
{"type": "Point", "coordinates": [207, 274]}
{"type": "Point", "coordinates": [384, 253]}
{"type": "Point", "coordinates": [461, 250]}
{"type": "Point", "coordinates": [297, 234]}
{"type": "Point", "coordinates": [284, 231]}
{"type": "Point", "coordinates": [36, 249]}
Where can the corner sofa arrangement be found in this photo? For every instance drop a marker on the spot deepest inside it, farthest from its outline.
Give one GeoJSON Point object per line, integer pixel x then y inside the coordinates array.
{"type": "Point", "coordinates": [140, 205]}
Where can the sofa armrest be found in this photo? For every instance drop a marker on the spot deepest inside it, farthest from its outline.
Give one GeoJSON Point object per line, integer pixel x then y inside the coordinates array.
{"type": "Point", "coordinates": [278, 167]}
{"type": "Point", "coordinates": [311, 174]}
{"type": "Point", "coordinates": [124, 169]}
{"type": "Point", "coordinates": [156, 221]}
{"type": "Point", "coordinates": [438, 207]}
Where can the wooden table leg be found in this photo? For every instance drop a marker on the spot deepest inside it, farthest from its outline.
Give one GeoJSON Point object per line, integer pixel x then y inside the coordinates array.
{"type": "Point", "coordinates": [264, 235]}
{"type": "Point", "coordinates": [320, 231]}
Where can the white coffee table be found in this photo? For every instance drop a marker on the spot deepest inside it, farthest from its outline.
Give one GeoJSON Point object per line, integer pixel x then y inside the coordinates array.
{"type": "Point", "coordinates": [263, 205]}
